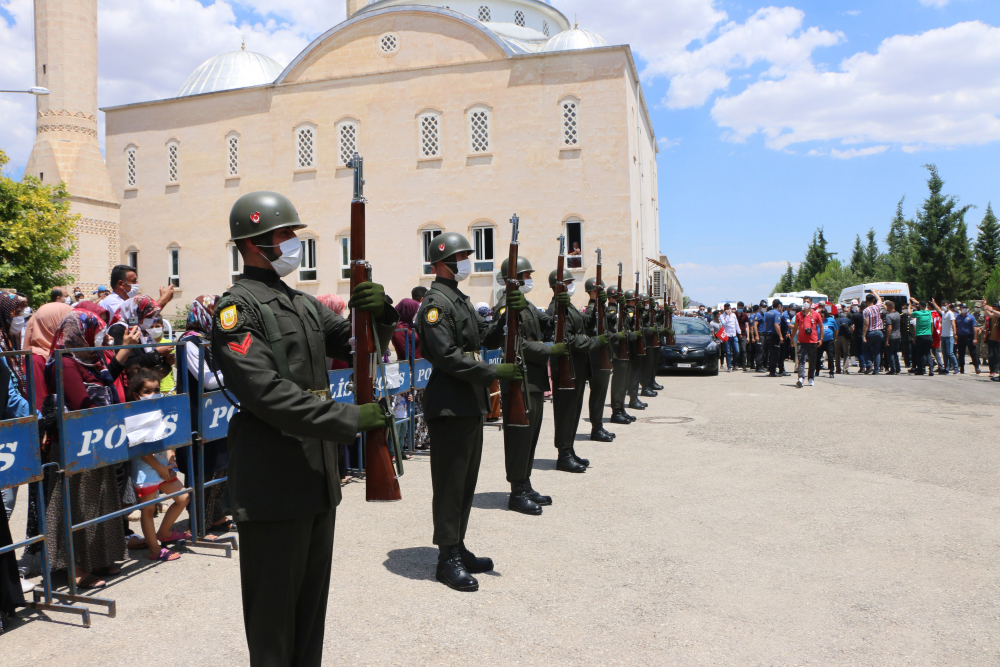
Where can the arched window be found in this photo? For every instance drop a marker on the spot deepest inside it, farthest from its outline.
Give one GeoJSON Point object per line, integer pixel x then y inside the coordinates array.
{"type": "Point", "coordinates": [173, 161]}
{"type": "Point", "coordinates": [519, 18]}
{"type": "Point", "coordinates": [233, 154]}
{"type": "Point", "coordinates": [305, 146]}
{"type": "Point", "coordinates": [483, 235]}
{"type": "Point", "coordinates": [545, 28]}
{"type": "Point", "coordinates": [574, 242]}
{"type": "Point", "coordinates": [480, 124]}
{"type": "Point", "coordinates": [427, 235]}
{"type": "Point", "coordinates": [484, 13]}
{"type": "Point", "coordinates": [130, 166]}
{"type": "Point", "coordinates": [429, 145]}
{"type": "Point", "coordinates": [347, 136]}
{"type": "Point", "coordinates": [570, 109]}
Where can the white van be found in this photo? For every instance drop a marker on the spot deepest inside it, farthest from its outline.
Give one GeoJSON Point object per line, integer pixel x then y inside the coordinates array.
{"type": "Point", "coordinates": [786, 298]}
{"type": "Point", "coordinates": [899, 293]}
{"type": "Point", "coordinates": [815, 297]}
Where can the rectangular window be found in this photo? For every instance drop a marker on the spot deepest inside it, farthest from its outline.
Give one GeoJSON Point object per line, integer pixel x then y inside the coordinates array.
{"type": "Point", "coordinates": [574, 245]}
{"type": "Point", "coordinates": [234, 264]}
{"type": "Point", "coordinates": [570, 137]}
{"type": "Point", "coordinates": [133, 259]}
{"type": "Point", "coordinates": [345, 258]}
{"type": "Point", "coordinates": [430, 135]}
{"type": "Point", "coordinates": [175, 267]}
{"type": "Point", "coordinates": [130, 167]}
{"type": "Point", "coordinates": [479, 131]}
{"type": "Point", "coordinates": [172, 160]}
{"type": "Point", "coordinates": [307, 269]}
{"type": "Point", "coordinates": [426, 237]}
{"type": "Point", "coordinates": [234, 156]}
{"type": "Point", "coordinates": [348, 142]}
{"type": "Point", "coordinates": [482, 243]}
{"type": "Point", "coordinates": [306, 148]}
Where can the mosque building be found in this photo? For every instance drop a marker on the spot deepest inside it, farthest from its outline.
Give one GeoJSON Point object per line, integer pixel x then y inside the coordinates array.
{"type": "Point", "coordinates": [465, 111]}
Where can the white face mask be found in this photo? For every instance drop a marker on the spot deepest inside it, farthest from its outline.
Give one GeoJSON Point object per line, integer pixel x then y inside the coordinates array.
{"type": "Point", "coordinates": [147, 323]}
{"type": "Point", "coordinates": [291, 256]}
{"type": "Point", "coordinates": [149, 396]}
{"type": "Point", "coordinates": [133, 290]}
{"type": "Point", "coordinates": [99, 338]}
{"type": "Point", "coordinates": [571, 289]}
{"type": "Point", "coordinates": [27, 311]}
{"type": "Point", "coordinates": [17, 324]}
{"type": "Point", "coordinates": [156, 333]}
{"type": "Point", "coordinates": [526, 287]}
{"type": "Point", "coordinates": [965, 310]}
{"type": "Point", "coordinates": [68, 300]}
{"type": "Point", "coordinates": [464, 269]}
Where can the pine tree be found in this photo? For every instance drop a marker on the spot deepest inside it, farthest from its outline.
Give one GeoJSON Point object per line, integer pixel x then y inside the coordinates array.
{"type": "Point", "coordinates": [988, 244]}
{"type": "Point", "coordinates": [815, 261]}
{"type": "Point", "coordinates": [857, 257]}
{"type": "Point", "coordinates": [897, 257]}
{"type": "Point", "coordinates": [872, 255]}
{"type": "Point", "coordinates": [939, 250]}
{"type": "Point", "coordinates": [787, 281]}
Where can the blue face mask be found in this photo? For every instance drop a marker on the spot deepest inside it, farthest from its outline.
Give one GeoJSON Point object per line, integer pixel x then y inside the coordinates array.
{"type": "Point", "coordinates": [739, 310]}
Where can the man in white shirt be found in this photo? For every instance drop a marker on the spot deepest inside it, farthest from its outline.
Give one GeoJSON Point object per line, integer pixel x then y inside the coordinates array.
{"type": "Point", "coordinates": [124, 285]}
{"type": "Point", "coordinates": [948, 317]}
{"type": "Point", "coordinates": [731, 323]}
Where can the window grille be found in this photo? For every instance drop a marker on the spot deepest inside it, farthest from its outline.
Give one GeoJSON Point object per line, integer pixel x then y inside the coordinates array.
{"type": "Point", "coordinates": [656, 286]}
{"type": "Point", "coordinates": [484, 13]}
{"type": "Point", "coordinates": [348, 142]}
{"type": "Point", "coordinates": [482, 244]}
{"type": "Point", "coordinates": [569, 112]}
{"type": "Point", "coordinates": [306, 148]}
{"type": "Point", "coordinates": [426, 237]}
{"type": "Point", "coordinates": [175, 267]}
{"type": "Point", "coordinates": [389, 43]}
{"type": "Point", "coordinates": [172, 170]}
{"type": "Point", "coordinates": [130, 167]}
{"type": "Point", "coordinates": [545, 28]}
{"type": "Point", "coordinates": [479, 131]}
{"type": "Point", "coordinates": [430, 135]}
{"type": "Point", "coordinates": [307, 267]}
{"type": "Point", "coordinates": [345, 258]}
{"type": "Point", "coordinates": [234, 156]}
{"type": "Point", "coordinates": [519, 18]}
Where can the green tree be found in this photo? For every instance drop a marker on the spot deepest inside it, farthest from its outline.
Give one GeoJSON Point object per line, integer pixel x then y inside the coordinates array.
{"type": "Point", "coordinates": [817, 257]}
{"type": "Point", "coordinates": [833, 279]}
{"type": "Point", "coordinates": [787, 281]}
{"type": "Point", "coordinates": [992, 289]}
{"type": "Point", "coordinates": [36, 234]}
{"type": "Point", "coordinates": [938, 245]}
{"type": "Point", "coordinates": [987, 246]}
{"type": "Point", "coordinates": [873, 258]}
{"type": "Point", "coordinates": [897, 256]}
{"type": "Point", "coordinates": [858, 256]}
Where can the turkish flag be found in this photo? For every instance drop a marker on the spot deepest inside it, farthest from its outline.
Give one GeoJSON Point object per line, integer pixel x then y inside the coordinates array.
{"type": "Point", "coordinates": [722, 335]}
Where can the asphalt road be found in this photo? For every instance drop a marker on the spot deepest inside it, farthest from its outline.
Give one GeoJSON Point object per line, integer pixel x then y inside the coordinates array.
{"type": "Point", "coordinates": [752, 523]}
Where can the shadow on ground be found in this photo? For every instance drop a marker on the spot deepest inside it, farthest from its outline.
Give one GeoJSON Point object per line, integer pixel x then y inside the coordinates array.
{"type": "Point", "coordinates": [413, 562]}
{"type": "Point", "coordinates": [491, 500]}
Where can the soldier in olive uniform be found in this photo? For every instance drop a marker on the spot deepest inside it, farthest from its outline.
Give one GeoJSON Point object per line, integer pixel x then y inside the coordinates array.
{"type": "Point", "coordinates": [271, 343]}
{"type": "Point", "coordinates": [599, 380]}
{"type": "Point", "coordinates": [519, 451]}
{"type": "Point", "coordinates": [645, 321]}
{"type": "Point", "coordinates": [620, 367]}
{"type": "Point", "coordinates": [635, 360]}
{"type": "Point", "coordinates": [567, 404]}
{"type": "Point", "coordinates": [659, 326]}
{"type": "Point", "coordinates": [456, 401]}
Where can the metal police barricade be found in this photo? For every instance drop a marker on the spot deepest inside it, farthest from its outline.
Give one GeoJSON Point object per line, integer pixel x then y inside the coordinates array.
{"type": "Point", "coordinates": [493, 357]}
{"type": "Point", "coordinates": [97, 437]}
{"type": "Point", "coordinates": [21, 463]}
{"type": "Point", "coordinates": [215, 411]}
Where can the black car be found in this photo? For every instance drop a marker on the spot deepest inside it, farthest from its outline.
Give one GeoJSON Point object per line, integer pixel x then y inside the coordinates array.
{"type": "Point", "coordinates": [695, 348]}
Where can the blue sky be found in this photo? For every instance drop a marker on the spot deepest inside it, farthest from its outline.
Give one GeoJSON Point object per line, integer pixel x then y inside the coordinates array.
{"type": "Point", "coordinates": [773, 119]}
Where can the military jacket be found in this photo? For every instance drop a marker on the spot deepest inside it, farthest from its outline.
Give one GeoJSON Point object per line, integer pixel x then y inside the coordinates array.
{"type": "Point", "coordinates": [627, 324]}
{"type": "Point", "coordinates": [590, 315]}
{"type": "Point", "coordinates": [451, 335]}
{"type": "Point", "coordinates": [576, 337]}
{"type": "Point", "coordinates": [533, 324]}
{"type": "Point", "coordinates": [283, 441]}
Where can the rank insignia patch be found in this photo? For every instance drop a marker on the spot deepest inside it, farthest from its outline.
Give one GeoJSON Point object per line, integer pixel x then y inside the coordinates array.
{"type": "Point", "coordinates": [227, 318]}
{"type": "Point", "coordinates": [241, 348]}
{"type": "Point", "coordinates": [432, 315]}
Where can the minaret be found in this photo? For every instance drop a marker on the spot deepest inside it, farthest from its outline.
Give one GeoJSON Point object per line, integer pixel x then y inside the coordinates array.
{"type": "Point", "coordinates": [66, 147]}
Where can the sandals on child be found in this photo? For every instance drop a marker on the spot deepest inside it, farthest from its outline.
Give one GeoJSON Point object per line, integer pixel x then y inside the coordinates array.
{"type": "Point", "coordinates": [166, 555]}
{"type": "Point", "coordinates": [174, 536]}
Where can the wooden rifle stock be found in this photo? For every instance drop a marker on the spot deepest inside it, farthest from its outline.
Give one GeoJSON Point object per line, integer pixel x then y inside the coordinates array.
{"type": "Point", "coordinates": [517, 411]}
{"type": "Point", "coordinates": [668, 317]}
{"type": "Point", "coordinates": [380, 477]}
{"type": "Point", "coordinates": [605, 353]}
{"type": "Point", "coordinates": [652, 321]}
{"type": "Point", "coordinates": [640, 348]}
{"type": "Point", "coordinates": [623, 342]}
{"type": "Point", "coordinates": [564, 370]}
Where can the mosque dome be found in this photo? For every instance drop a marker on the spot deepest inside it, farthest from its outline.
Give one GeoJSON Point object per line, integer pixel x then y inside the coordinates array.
{"type": "Point", "coordinates": [236, 69]}
{"type": "Point", "coordinates": [570, 40]}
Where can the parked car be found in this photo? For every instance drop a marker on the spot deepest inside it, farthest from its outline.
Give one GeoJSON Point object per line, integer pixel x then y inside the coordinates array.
{"type": "Point", "coordinates": [695, 348]}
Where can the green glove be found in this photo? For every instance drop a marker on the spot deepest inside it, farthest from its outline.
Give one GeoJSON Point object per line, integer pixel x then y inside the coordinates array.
{"type": "Point", "coordinates": [614, 338]}
{"type": "Point", "coordinates": [372, 416]}
{"type": "Point", "coordinates": [564, 299]}
{"type": "Point", "coordinates": [508, 372]}
{"type": "Point", "coordinates": [602, 296]}
{"type": "Point", "coordinates": [559, 350]}
{"type": "Point", "coordinates": [369, 296]}
{"type": "Point", "coordinates": [602, 340]}
{"type": "Point", "coordinates": [516, 301]}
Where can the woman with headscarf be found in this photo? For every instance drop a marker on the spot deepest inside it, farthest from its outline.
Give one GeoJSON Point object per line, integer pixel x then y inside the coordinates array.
{"type": "Point", "coordinates": [198, 330]}
{"type": "Point", "coordinates": [38, 335]}
{"type": "Point", "coordinates": [94, 308]}
{"type": "Point", "coordinates": [141, 311]}
{"type": "Point", "coordinates": [337, 305]}
{"type": "Point", "coordinates": [407, 309]}
{"type": "Point", "coordinates": [88, 382]}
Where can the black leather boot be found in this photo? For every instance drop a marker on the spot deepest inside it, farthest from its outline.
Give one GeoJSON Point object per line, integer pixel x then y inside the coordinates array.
{"type": "Point", "coordinates": [472, 564]}
{"type": "Point", "coordinates": [568, 463]}
{"type": "Point", "coordinates": [619, 417]}
{"type": "Point", "coordinates": [451, 571]}
{"type": "Point", "coordinates": [579, 459]}
{"type": "Point", "coordinates": [629, 417]}
{"type": "Point", "coordinates": [520, 501]}
{"type": "Point", "coordinates": [636, 404]}
{"type": "Point", "coordinates": [607, 433]}
{"type": "Point", "coordinates": [600, 435]}
{"type": "Point", "coordinates": [659, 387]}
{"type": "Point", "coordinates": [536, 496]}
{"type": "Point", "coordinates": [648, 393]}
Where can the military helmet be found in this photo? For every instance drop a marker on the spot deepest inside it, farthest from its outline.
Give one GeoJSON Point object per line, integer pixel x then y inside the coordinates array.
{"type": "Point", "coordinates": [612, 292]}
{"type": "Point", "coordinates": [629, 294]}
{"type": "Point", "coordinates": [259, 212]}
{"type": "Point", "coordinates": [522, 265]}
{"type": "Point", "coordinates": [567, 276]}
{"type": "Point", "coordinates": [591, 284]}
{"type": "Point", "coordinates": [643, 296]}
{"type": "Point", "coordinates": [445, 245]}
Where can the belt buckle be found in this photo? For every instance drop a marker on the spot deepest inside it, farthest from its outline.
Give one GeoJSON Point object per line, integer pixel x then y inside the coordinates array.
{"type": "Point", "coordinates": [322, 394]}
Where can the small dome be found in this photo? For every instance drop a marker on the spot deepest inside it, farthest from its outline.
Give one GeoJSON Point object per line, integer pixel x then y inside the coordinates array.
{"type": "Point", "coordinates": [573, 39]}
{"type": "Point", "coordinates": [236, 69]}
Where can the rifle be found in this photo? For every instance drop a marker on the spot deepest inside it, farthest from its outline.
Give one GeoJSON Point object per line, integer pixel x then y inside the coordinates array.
{"type": "Point", "coordinates": [381, 482]}
{"type": "Point", "coordinates": [605, 353]}
{"type": "Point", "coordinates": [563, 379]}
{"type": "Point", "coordinates": [668, 318]}
{"type": "Point", "coordinates": [640, 347]}
{"type": "Point", "coordinates": [623, 342]}
{"type": "Point", "coordinates": [652, 316]}
{"type": "Point", "coordinates": [517, 411]}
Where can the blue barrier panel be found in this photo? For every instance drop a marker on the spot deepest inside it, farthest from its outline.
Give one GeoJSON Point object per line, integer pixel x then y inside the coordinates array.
{"type": "Point", "coordinates": [421, 373]}
{"type": "Point", "coordinates": [20, 452]}
{"type": "Point", "coordinates": [216, 413]}
{"type": "Point", "coordinates": [493, 356]}
{"type": "Point", "coordinates": [100, 436]}
{"type": "Point", "coordinates": [399, 381]}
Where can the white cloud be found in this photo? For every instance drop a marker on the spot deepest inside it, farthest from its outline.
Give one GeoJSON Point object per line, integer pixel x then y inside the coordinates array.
{"type": "Point", "coordinates": [857, 152]}
{"type": "Point", "coordinates": [934, 3]}
{"type": "Point", "coordinates": [939, 88]}
{"type": "Point", "coordinates": [853, 12]}
{"type": "Point", "coordinates": [667, 142]}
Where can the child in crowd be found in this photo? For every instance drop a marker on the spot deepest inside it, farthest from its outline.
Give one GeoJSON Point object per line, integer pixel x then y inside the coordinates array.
{"type": "Point", "coordinates": [154, 473]}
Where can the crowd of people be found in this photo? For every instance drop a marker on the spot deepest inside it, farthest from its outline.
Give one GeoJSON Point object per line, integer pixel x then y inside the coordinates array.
{"type": "Point", "coordinates": [871, 337]}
